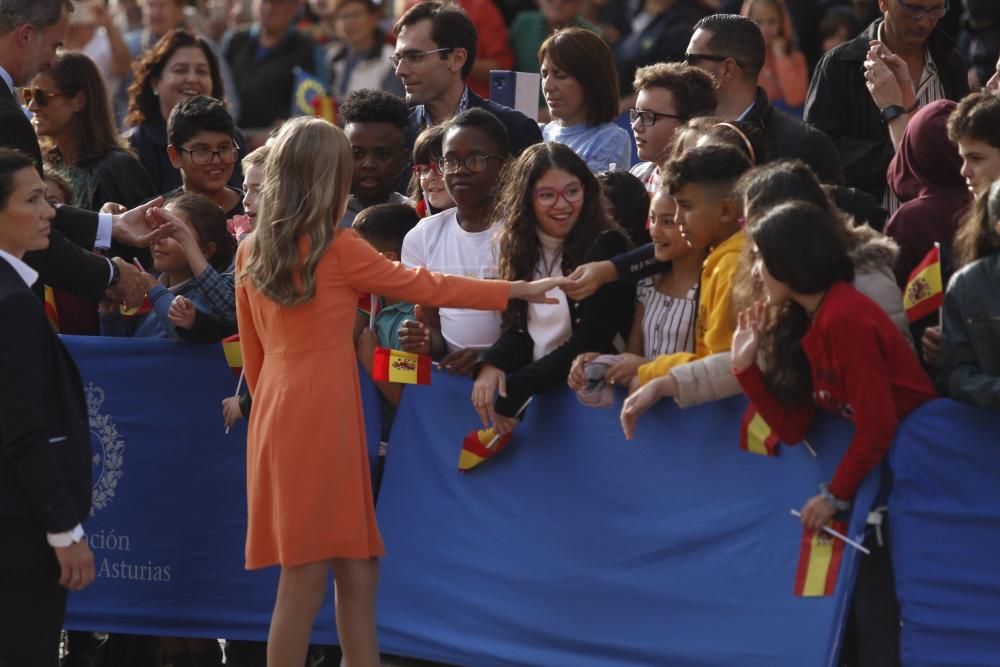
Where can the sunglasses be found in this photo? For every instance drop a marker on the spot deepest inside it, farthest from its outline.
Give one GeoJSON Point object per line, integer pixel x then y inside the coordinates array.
{"type": "Point", "coordinates": [40, 97]}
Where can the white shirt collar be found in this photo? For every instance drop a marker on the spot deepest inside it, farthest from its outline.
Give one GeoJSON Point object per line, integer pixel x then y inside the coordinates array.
{"type": "Point", "coordinates": [746, 111]}
{"type": "Point", "coordinates": [28, 274]}
{"type": "Point", "coordinates": [7, 78]}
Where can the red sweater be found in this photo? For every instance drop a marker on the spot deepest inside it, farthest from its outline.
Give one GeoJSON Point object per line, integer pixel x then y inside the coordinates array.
{"type": "Point", "coordinates": [862, 369]}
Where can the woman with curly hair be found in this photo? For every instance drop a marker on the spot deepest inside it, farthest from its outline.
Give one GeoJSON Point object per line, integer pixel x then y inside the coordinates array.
{"type": "Point", "coordinates": [179, 67]}
{"type": "Point", "coordinates": [550, 220]}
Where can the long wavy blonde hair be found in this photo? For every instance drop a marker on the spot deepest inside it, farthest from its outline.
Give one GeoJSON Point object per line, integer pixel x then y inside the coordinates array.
{"type": "Point", "coordinates": [307, 178]}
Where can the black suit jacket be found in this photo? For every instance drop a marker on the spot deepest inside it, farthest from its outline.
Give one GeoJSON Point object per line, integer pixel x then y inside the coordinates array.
{"type": "Point", "coordinates": [65, 264]}
{"type": "Point", "coordinates": [45, 453]}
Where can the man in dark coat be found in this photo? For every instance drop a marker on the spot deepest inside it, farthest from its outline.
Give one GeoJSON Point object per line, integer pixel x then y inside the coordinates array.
{"type": "Point", "coordinates": [731, 49]}
{"type": "Point", "coordinates": [839, 102]}
{"type": "Point", "coordinates": [30, 33]}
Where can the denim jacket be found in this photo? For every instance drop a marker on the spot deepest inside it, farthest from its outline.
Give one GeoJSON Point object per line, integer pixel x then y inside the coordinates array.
{"type": "Point", "coordinates": [969, 364]}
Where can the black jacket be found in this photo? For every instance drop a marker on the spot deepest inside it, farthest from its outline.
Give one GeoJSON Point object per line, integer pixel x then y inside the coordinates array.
{"type": "Point", "coordinates": [64, 265]}
{"type": "Point", "coordinates": [45, 466]}
{"type": "Point", "coordinates": [596, 321]}
{"type": "Point", "coordinates": [789, 138]}
{"type": "Point", "coordinates": [840, 105]}
{"type": "Point", "coordinates": [265, 86]}
{"type": "Point", "coordinates": [521, 130]}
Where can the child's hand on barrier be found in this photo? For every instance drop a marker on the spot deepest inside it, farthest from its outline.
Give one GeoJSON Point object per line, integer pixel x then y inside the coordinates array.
{"type": "Point", "coordinates": [181, 312]}
{"type": "Point", "coordinates": [231, 412]}
{"type": "Point", "coordinates": [625, 370]}
{"type": "Point", "coordinates": [577, 379]}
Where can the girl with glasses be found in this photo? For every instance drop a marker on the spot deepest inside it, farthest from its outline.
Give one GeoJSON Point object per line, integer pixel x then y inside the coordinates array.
{"type": "Point", "coordinates": [427, 189]}
{"type": "Point", "coordinates": [550, 220]}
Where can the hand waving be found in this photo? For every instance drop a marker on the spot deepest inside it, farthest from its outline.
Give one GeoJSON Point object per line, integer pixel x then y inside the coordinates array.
{"type": "Point", "coordinates": [747, 337]}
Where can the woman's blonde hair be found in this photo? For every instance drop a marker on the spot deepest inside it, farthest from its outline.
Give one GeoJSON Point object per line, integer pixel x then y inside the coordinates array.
{"type": "Point", "coordinates": [307, 178]}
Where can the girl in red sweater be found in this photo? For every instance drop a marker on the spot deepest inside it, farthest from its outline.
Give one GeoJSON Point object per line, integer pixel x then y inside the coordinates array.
{"type": "Point", "coordinates": [848, 357]}
{"type": "Point", "coordinates": [841, 352]}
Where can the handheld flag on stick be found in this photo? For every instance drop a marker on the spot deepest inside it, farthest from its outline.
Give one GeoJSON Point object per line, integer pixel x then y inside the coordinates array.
{"type": "Point", "coordinates": [239, 385]}
{"type": "Point", "coordinates": [484, 444]}
{"type": "Point", "coordinates": [924, 291]}
{"type": "Point", "coordinates": [373, 312]}
{"type": "Point", "coordinates": [309, 97]}
{"type": "Point", "coordinates": [840, 536]}
{"type": "Point", "coordinates": [234, 354]}
{"type": "Point", "coordinates": [819, 562]}
{"type": "Point", "coordinates": [401, 367]}
{"type": "Point", "coordinates": [50, 307]}
{"type": "Point", "coordinates": [755, 434]}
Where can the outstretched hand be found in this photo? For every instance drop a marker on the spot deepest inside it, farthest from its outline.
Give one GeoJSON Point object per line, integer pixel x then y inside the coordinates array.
{"type": "Point", "coordinates": [747, 337]}
{"type": "Point", "coordinates": [534, 291]}
{"type": "Point", "coordinates": [588, 278]}
{"type": "Point", "coordinates": [134, 227]}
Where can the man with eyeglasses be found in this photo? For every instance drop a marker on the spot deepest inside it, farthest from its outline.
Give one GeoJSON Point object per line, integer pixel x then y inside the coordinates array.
{"type": "Point", "coordinates": [731, 48]}
{"type": "Point", "coordinates": [839, 102]}
{"type": "Point", "coordinates": [30, 33]}
{"type": "Point", "coordinates": [435, 53]}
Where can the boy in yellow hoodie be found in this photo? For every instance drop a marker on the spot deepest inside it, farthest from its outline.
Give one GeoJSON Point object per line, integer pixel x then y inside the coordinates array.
{"type": "Point", "coordinates": [709, 214]}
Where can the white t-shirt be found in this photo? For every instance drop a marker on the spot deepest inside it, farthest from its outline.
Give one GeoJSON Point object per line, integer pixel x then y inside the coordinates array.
{"type": "Point", "coordinates": [439, 244]}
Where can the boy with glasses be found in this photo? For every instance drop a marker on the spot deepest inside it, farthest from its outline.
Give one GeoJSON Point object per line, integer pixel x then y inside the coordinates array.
{"type": "Point", "coordinates": [667, 96]}
{"type": "Point", "coordinates": [839, 102]}
{"type": "Point", "coordinates": [201, 144]}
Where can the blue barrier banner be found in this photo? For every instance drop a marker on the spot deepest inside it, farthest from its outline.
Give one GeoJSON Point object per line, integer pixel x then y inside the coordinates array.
{"type": "Point", "coordinates": [169, 506]}
{"type": "Point", "coordinates": [944, 515]}
{"type": "Point", "coordinates": [576, 547]}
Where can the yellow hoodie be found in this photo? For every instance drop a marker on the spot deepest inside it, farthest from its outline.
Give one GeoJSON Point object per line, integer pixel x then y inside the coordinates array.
{"type": "Point", "coordinates": [716, 321]}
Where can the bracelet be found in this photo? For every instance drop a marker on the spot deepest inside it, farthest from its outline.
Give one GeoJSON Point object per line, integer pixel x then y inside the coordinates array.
{"type": "Point", "coordinates": [839, 505]}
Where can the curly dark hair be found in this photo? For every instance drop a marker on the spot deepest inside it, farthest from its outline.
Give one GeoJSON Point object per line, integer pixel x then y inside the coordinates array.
{"type": "Point", "coordinates": [143, 104]}
{"type": "Point", "coordinates": [800, 247]}
{"type": "Point", "coordinates": [513, 218]}
{"type": "Point", "coordinates": [369, 105]}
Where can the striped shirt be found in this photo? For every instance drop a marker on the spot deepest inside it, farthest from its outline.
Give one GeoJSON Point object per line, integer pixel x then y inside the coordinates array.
{"type": "Point", "coordinates": [667, 321]}
{"type": "Point", "coordinates": [928, 90]}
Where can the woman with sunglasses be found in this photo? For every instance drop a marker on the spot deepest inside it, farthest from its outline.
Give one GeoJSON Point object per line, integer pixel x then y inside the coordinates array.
{"type": "Point", "coordinates": [550, 220]}
{"type": "Point", "coordinates": [580, 86]}
{"type": "Point", "coordinates": [71, 115]}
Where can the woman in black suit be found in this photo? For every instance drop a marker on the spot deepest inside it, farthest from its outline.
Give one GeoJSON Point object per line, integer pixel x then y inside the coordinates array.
{"type": "Point", "coordinates": [44, 439]}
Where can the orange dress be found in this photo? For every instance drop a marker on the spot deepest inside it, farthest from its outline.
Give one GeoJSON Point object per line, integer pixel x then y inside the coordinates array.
{"type": "Point", "coordinates": [309, 494]}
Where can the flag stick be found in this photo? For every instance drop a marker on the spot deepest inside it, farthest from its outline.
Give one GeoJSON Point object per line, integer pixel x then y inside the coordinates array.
{"type": "Point", "coordinates": [809, 448]}
{"type": "Point", "coordinates": [941, 307]}
{"type": "Point", "coordinates": [239, 385]}
{"type": "Point", "coordinates": [496, 438]}
{"type": "Point", "coordinates": [844, 538]}
{"type": "Point", "coordinates": [371, 313]}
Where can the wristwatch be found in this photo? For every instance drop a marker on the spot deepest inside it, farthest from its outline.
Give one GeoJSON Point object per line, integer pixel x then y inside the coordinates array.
{"type": "Point", "coordinates": [116, 274]}
{"type": "Point", "coordinates": [891, 112]}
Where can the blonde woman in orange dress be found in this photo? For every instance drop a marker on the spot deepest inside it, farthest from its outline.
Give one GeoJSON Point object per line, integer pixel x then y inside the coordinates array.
{"type": "Point", "coordinates": [308, 489]}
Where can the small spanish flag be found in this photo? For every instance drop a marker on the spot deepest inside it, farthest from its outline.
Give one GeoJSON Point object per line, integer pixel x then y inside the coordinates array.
{"type": "Point", "coordinates": [401, 367]}
{"type": "Point", "coordinates": [479, 446]}
{"type": "Point", "coordinates": [325, 107]}
{"type": "Point", "coordinates": [925, 289]}
{"type": "Point", "coordinates": [755, 434]}
{"type": "Point", "coordinates": [50, 307]}
{"type": "Point", "coordinates": [234, 353]}
{"type": "Point", "coordinates": [146, 307]}
{"type": "Point", "coordinates": [819, 562]}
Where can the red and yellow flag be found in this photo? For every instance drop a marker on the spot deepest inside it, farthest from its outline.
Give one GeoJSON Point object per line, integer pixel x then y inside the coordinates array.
{"type": "Point", "coordinates": [476, 448]}
{"type": "Point", "coordinates": [401, 367]}
{"type": "Point", "coordinates": [819, 562]}
{"type": "Point", "coordinates": [325, 107]}
{"type": "Point", "coordinates": [924, 291]}
{"type": "Point", "coordinates": [234, 353]}
{"type": "Point", "coordinates": [755, 434]}
{"type": "Point", "coordinates": [50, 307]}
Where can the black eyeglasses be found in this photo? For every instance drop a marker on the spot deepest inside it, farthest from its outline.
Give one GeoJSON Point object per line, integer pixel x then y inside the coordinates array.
{"type": "Point", "coordinates": [692, 58]}
{"type": "Point", "coordinates": [202, 156]}
{"type": "Point", "coordinates": [40, 97]}
{"type": "Point", "coordinates": [649, 118]}
{"type": "Point", "coordinates": [414, 57]}
{"type": "Point", "coordinates": [474, 163]}
{"type": "Point", "coordinates": [916, 12]}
